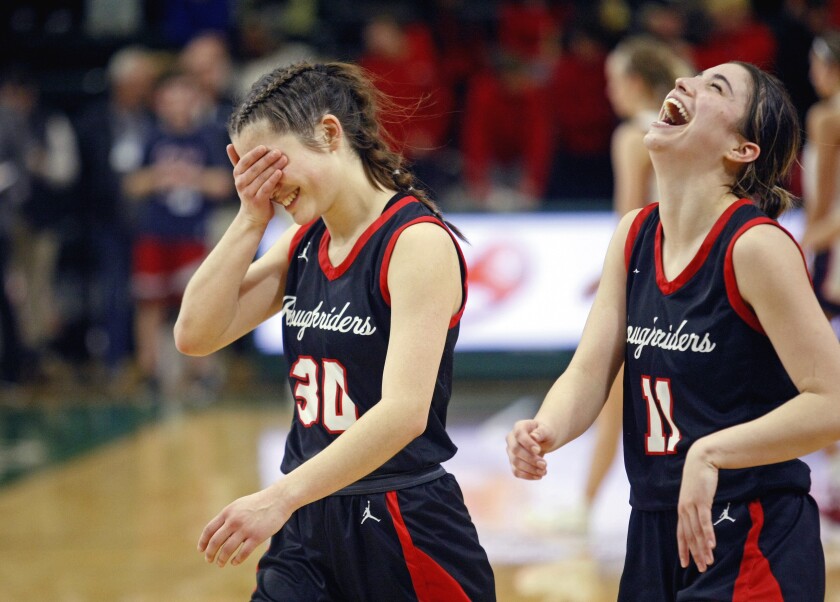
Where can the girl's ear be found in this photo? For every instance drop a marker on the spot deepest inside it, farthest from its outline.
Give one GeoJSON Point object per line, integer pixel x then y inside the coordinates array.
{"type": "Point", "coordinates": [332, 132]}
{"type": "Point", "coordinates": [745, 152]}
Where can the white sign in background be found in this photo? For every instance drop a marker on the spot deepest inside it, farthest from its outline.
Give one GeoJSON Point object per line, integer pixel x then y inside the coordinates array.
{"type": "Point", "coordinates": [531, 278]}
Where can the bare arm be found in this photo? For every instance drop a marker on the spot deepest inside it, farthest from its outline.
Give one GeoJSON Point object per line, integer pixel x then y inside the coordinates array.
{"type": "Point", "coordinates": [576, 398]}
{"type": "Point", "coordinates": [229, 295]}
{"type": "Point", "coordinates": [771, 277]}
{"type": "Point", "coordinates": [823, 129]}
{"type": "Point", "coordinates": [425, 284]}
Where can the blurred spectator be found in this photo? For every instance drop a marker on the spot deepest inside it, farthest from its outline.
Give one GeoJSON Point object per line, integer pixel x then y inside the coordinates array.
{"type": "Point", "coordinates": [584, 120]}
{"type": "Point", "coordinates": [403, 63]}
{"type": "Point", "coordinates": [529, 30]}
{"type": "Point", "coordinates": [821, 184]}
{"type": "Point", "coordinates": [181, 20]}
{"type": "Point", "coordinates": [640, 73]}
{"type": "Point", "coordinates": [667, 22]}
{"type": "Point", "coordinates": [735, 35]}
{"type": "Point", "coordinates": [14, 188]}
{"type": "Point", "coordinates": [183, 171]}
{"type": "Point", "coordinates": [794, 27]}
{"type": "Point", "coordinates": [264, 45]}
{"type": "Point", "coordinates": [821, 163]}
{"type": "Point", "coordinates": [111, 134]}
{"type": "Point", "coordinates": [52, 163]}
{"type": "Point", "coordinates": [207, 59]}
{"type": "Point", "coordinates": [462, 33]}
{"type": "Point", "coordinates": [506, 137]}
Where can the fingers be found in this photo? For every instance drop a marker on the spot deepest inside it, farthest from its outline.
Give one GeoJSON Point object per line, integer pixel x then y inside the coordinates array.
{"type": "Point", "coordinates": [208, 532]}
{"type": "Point", "coordinates": [695, 537]}
{"type": "Point", "coordinates": [524, 454]}
{"type": "Point", "coordinates": [229, 548]}
{"type": "Point", "coordinates": [258, 172]}
{"type": "Point", "coordinates": [232, 154]}
{"type": "Point", "coordinates": [682, 544]}
{"type": "Point", "coordinates": [220, 545]}
{"type": "Point", "coordinates": [215, 544]}
{"type": "Point", "coordinates": [247, 547]}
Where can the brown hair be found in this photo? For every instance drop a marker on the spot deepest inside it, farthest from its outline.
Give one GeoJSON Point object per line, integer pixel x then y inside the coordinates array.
{"type": "Point", "coordinates": [771, 121]}
{"type": "Point", "coordinates": [656, 63]}
{"type": "Point", "coordinates": [294, 98]}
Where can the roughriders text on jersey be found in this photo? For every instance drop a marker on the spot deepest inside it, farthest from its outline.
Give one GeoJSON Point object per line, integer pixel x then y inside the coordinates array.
{"type": "Point", "coordinates": [668, 339]}
{"type": "Point", "coordinates": [315, 318]}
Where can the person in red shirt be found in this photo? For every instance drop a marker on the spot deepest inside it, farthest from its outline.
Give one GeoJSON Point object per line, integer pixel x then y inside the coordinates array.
{"type": "Point", "coordinates": [506, 137]}
{"type": "Point", "coordinates": [403, 63]}
{"type": "Point", "coordinates": [736, 35]}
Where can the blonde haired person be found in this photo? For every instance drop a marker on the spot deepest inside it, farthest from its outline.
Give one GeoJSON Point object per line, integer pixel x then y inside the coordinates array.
{"type": "Point", "coordinates": [640, 71]}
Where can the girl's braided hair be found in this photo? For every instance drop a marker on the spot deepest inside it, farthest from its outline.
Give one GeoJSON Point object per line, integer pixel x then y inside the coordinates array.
{"type": "Point", "coordinates": [294, 98]}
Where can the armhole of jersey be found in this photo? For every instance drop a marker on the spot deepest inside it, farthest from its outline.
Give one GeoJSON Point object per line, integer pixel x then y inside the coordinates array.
{"type": "Point", "coordinates": [297, 238]}
{"type": "Point", "coordinates": [386, 262]}
{"type": "Point", "coordinates": [737, 302]}
{"type": "Point", "coordinates": [635, 227]}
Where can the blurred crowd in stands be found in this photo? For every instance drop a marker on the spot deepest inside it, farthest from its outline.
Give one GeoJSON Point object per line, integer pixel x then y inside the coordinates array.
{"type": "Point", "coordinates": [113, 131]}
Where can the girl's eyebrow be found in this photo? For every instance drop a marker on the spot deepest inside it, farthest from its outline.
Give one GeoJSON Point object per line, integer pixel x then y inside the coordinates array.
{"type": "Point", "coordinates": [724, 80]}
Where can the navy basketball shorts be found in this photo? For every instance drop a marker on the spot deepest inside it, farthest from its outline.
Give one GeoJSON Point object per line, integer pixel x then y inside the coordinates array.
{"type": "Point", "coordinates": [416, 543]}
{"type": "Point", "coordinates": [768, 550]}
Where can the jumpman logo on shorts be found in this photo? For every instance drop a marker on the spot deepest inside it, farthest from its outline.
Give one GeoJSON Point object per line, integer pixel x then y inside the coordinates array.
{"type": "Point", "coordinates": [724, 516]}
{"type": "Point", "coordinates": [304, 252]}
{"type": "Point", "coordinates": [368, 515]}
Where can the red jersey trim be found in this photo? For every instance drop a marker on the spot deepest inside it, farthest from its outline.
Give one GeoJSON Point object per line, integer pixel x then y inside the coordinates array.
{"type": "Point", "coordinates": [633, 233]}
{"type": "Point", "coordinates": [334, 272]}
{"type": "Point", "coordinates": [386, 262]}
{"type": "Point", "coordinates": [737, 302]}
{"type": "Point", "coordinates": [668, 287]}
{"type": "Point", "coordinates": [431, 581]}
{"type": "Point", "coordinates": [755, 579]}
{"type": "Point", "coordinates": [297, 238]}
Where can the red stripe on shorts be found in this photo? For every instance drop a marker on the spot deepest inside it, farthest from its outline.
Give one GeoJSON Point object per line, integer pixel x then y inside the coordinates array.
{"type": "Point", "coordinates": [755, 579]}
{"type": "Point", "coordinates": [431, 581]}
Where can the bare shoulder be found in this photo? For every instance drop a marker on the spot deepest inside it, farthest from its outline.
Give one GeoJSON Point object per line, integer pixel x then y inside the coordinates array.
{"type": "Point", "coordinates": [767, 253]}
{"type": "Point", "coordinates": [765, 241]}
{"type": "Point", "coordinates": [428, 237]}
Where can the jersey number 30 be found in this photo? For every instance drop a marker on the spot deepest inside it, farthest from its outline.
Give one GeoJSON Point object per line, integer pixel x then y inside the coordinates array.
{"type": "Point", "coordinates": [339, 412]}
{"type": "Point", "coordinates": [660, 410]}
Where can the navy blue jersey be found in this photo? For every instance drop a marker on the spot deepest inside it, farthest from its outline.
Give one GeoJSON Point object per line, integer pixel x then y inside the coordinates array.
{"type": "Point", "coordinates": [336, 326]}
{"type": "Point", "coordinates": [697, 361]}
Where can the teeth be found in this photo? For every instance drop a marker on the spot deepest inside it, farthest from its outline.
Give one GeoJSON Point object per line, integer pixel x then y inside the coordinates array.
{"type": "Point", "coordinates": [676, 104]}
{"type": "Point", "coordinates": [286, 201]}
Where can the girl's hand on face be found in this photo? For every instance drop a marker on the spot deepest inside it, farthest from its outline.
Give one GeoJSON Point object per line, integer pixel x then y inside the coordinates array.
{"type": "Point", "coordinates": [527, 443]}
{"type": "Point", "coordinates": [695, 532]}
{"type": "Point", "coordinates": [256, 176]}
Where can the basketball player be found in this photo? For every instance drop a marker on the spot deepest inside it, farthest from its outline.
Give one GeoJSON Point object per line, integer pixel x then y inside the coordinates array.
{"type": "Point", "coordinates": [731, 370]}
{"type": "Point", "coordinates": [371, 284]}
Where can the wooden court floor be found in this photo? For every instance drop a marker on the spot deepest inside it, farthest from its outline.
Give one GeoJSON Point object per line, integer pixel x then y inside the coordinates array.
{"type": "Point", "coordinates": [119, 522]}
